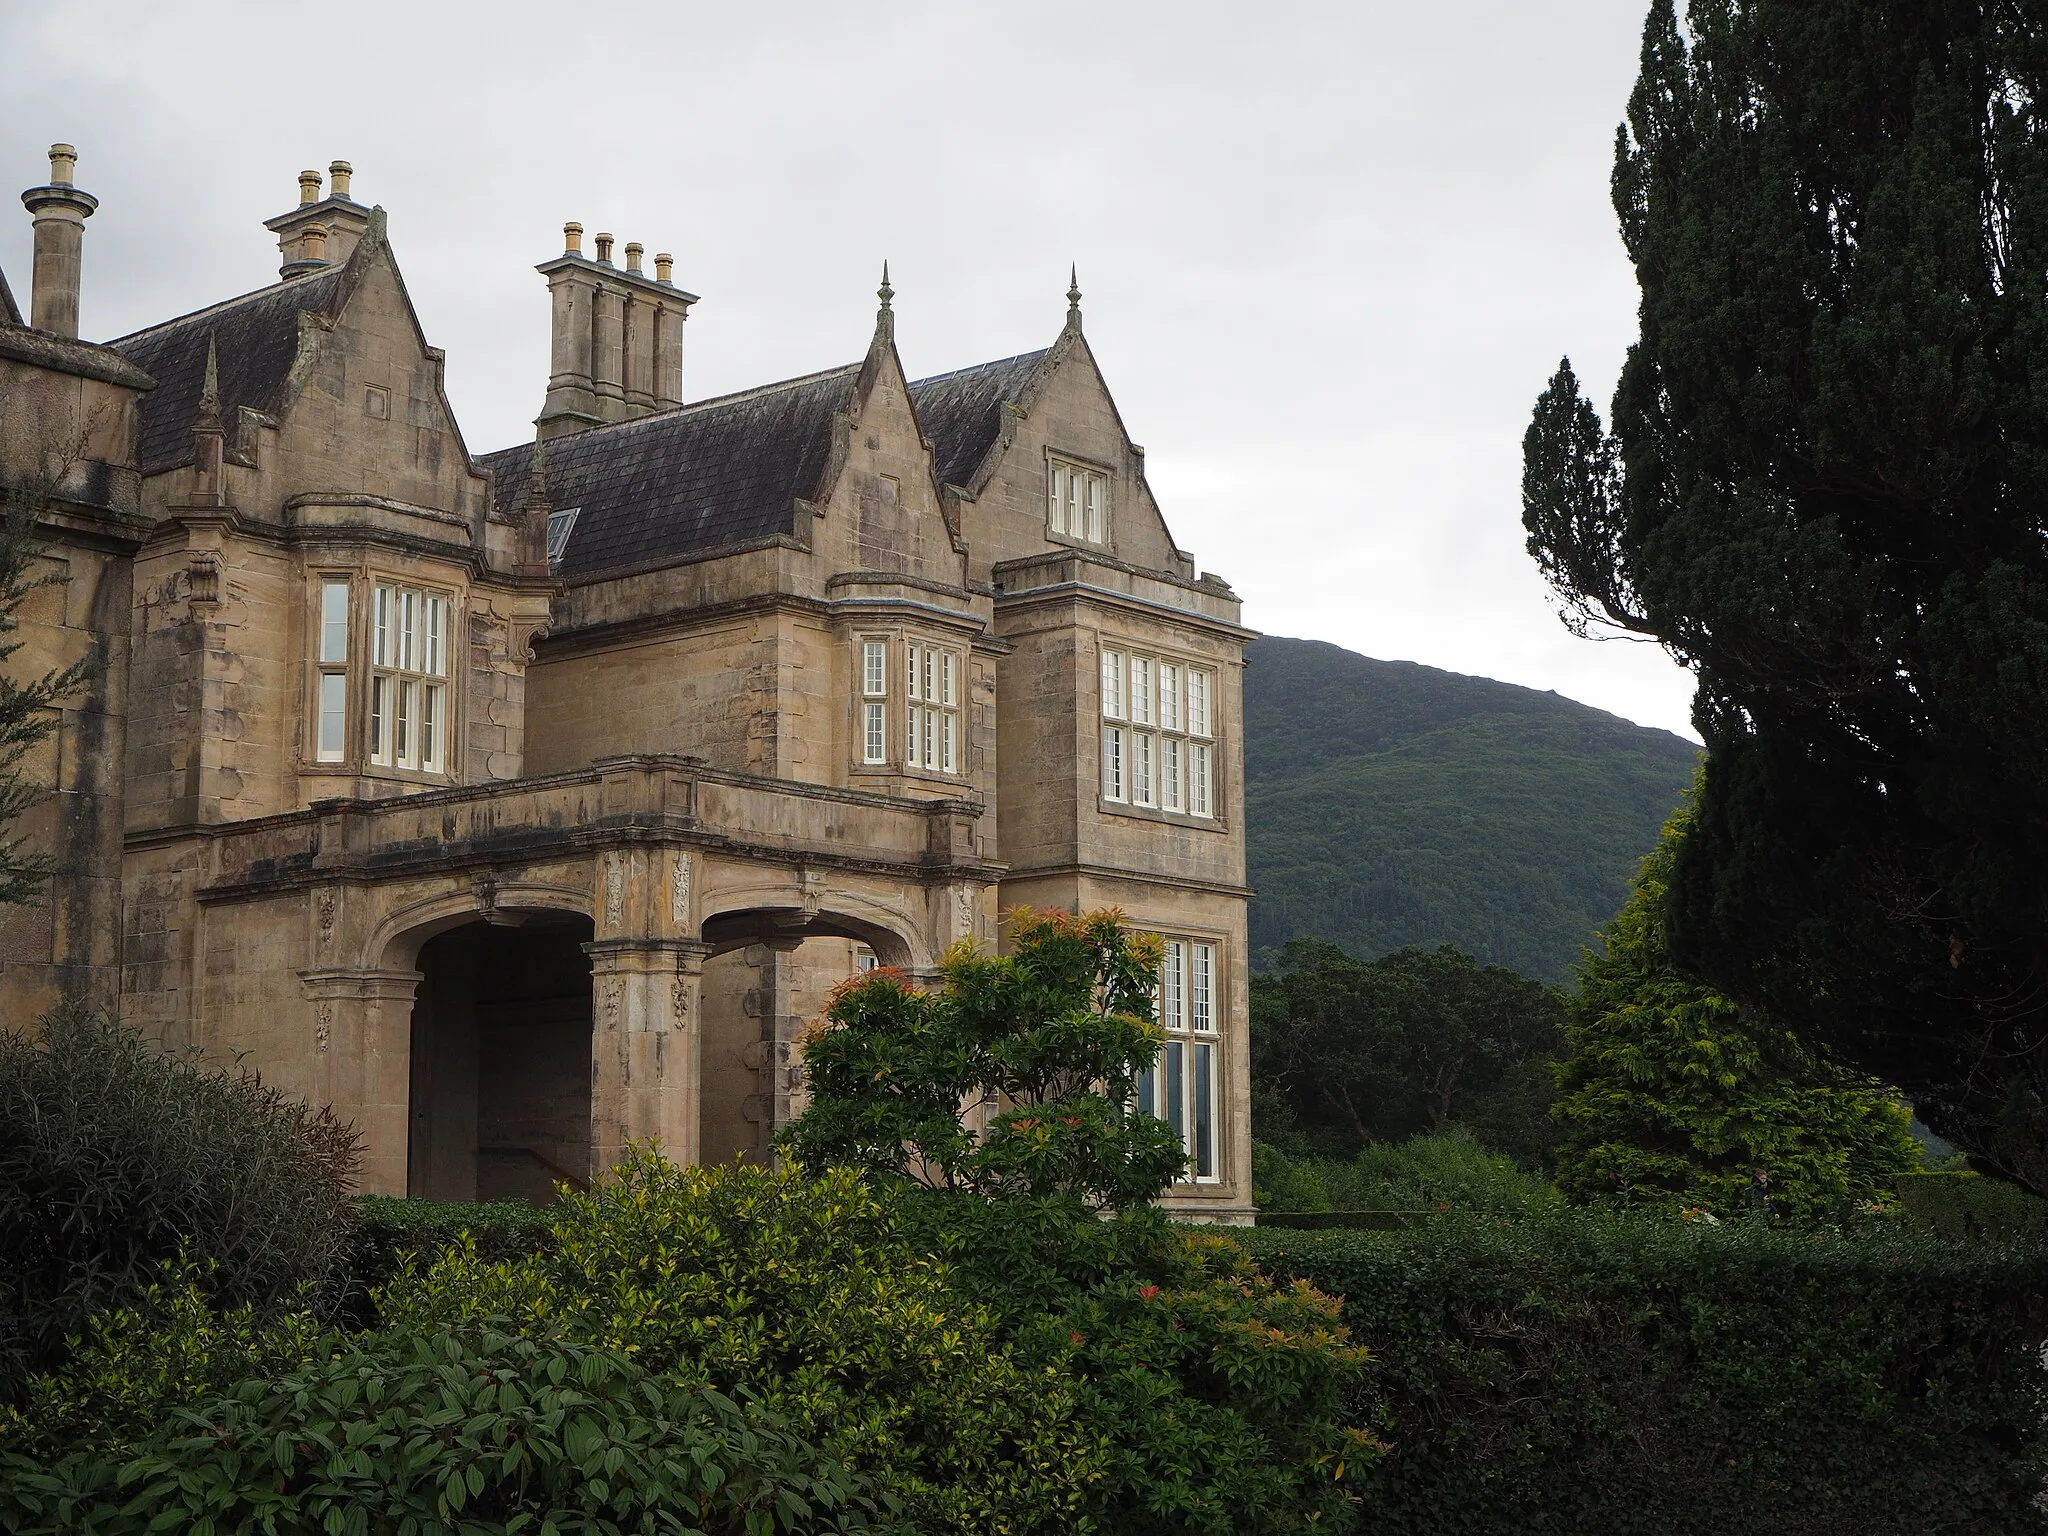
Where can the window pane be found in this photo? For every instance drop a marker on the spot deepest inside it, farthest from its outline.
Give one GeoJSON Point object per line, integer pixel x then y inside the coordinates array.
{"type": "Point", "coordinates": [333, 716]}
{"type": "Point", "coordinates": [1143, 750]}
{"type": "Point", "coordinates": [913, 652]}
{"type": "Point", "coordinates": [1204, 1127]}
{"type": "Point", "coordinates": [406, 737]}
{"type": "Point", "coordinates": [1074, 523]}
{"type": "Point", "coordinates": [1198, 703]}
{"type": "Point", "coordinates": [1177, 1089]}
{"type": "Point", "coordinates": [874, 668]}
{"type": "Point", "coordinates": [1096, 495]}
{"type": "Point", "coordinates": [436, 610]}
{"type": "Point", "coordinates": [408, 629]}
{"type": "Point", "coordinates": [1056, 499]}
{"type": "Point", "coordinates": [1171, 993]}
{"type": "Point", "coordinates": [1147, 1097]}
{"type": "Point", "coordinates": [874, 750]}
{"type": "Point", "coordinates": [1113, 684]}
{"type": "Point", "coordinates": [1169, 697]}
{"type": "Point", "coordinates": [430, 727]}
{"type": "Point", "coordinates": [1169, 773]}
{"type": "Point", "coordinates": [380, 720]}
{"type": "Point", "coordinates": [1141, 690]}
{"type": "Point", "coordinates": [946, 679]}
{"type": "Point", "coordinates": [334, 621]}
{"type": "Point", "coordinates": [1198, 778]}
{"type": "Point", "coordinates": [1201, 986]}
{"type": "Point", "coordinates": [1113, 763]}
{"type": "Point", "coordinates": [948, 757]}
{"type": "Point", "coordinates": [381, 653]}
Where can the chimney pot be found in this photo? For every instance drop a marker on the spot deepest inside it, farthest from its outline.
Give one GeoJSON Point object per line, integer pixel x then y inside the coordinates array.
{"type": "Point", "coordinates": [63, 161]}
{"type": "Point", "coordinates": [314, 246]}
{"type": "Point", "coordinates": [604, 248]}
{"type": "Point", "coordinates": [309, 187]}
{"type": "Point", "coordinates": [664, 264]}
{"type": "Point", "coordinates": [634, 251]}
{"type": "Point", "coordinates": [572, 239]}
{"type": "Point", "coordinates": [60, 211]}
{"type": "Point", "coordinates": [337, 178]}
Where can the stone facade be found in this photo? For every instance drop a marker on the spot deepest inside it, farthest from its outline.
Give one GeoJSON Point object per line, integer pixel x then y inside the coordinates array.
{"type": "Point", "coordinates": [524, 804]}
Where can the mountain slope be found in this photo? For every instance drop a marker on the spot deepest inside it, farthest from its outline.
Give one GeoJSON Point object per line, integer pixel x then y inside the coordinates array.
{"type": "Point", "coordinates": [1388, 803]}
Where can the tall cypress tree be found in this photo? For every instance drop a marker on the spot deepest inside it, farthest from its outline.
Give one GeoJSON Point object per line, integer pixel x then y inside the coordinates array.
{"type": "Point", "coordinates": [1825, 489]}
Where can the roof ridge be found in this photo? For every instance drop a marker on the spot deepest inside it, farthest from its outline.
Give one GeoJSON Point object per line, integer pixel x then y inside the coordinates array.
{"type": "Point", "coordinates": [215, 308]}
{"type": "Point", "coordinates": [616, 428]}
{"type": "Point", "coordinates": [1000, 362]}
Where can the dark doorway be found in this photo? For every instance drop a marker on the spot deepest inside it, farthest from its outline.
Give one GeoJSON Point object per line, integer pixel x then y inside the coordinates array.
{"type": "Point", "coordinates": [501, 1062]}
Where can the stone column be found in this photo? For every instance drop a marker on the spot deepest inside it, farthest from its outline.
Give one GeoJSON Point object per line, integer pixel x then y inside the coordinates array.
{"type": "Point", "coordinates": [645, 1047]}
{"type": "Point", "coordinates": [773, 1055]}
{"type": "Point", "coordinates": [608, 353]}
{"type": "Point", "coordinates": [362, 1063]}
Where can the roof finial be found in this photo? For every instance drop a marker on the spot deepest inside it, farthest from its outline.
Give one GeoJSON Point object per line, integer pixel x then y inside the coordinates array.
{"type": "Point", "coordinates": [885, 293]}
{"type": "Point", "coordinates": [209, 391]}
{"type": "Point", "coordinates": [1074, 294]}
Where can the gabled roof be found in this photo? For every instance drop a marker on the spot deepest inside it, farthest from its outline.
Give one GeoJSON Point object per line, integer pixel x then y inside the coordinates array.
{"type": "Point", "coordinates": [686, 482]}
{"type": "Point", "coordinates": [8, 311]}
{"type": "Point", "coordinates": [962, 412]}
{"type": "Point", "coordinates": [256, 339]}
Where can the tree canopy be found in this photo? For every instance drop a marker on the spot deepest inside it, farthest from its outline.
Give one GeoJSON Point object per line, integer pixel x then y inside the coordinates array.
{"type": "Point", "coordinates": [1823, 491]}
{"type": "Point", "coordinates": [1347, 1052]}
{"type": "Point", "coordinates": [1672, 1096]}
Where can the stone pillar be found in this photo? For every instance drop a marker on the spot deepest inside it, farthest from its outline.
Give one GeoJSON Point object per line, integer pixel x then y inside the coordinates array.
{"type": "Point", "coordinates": [773, 1055]}
{"type": "Point", "coordinates": [60, 211]}
{"type": "Point", "coordinates": [645, 1047]}
{"type": "Point", "coordinates": [668, 352]}
{"type": "Point", "coordinates": [641, 323]}
{"type": "Point", "coordinates": [607, 358]}
{"type": "Point", "coordinates": [362, 1063]}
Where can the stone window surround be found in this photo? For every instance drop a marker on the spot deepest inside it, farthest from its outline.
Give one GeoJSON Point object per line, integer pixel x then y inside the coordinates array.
{"type": "Point", "coordinates": [899, 638]}
{"type": "Point", "coordinates": [363, 580]}
{"type": "Point", "coordinates": [1218, 1037]}
{"type": "Point", "coordinates": [1126, 805]}
{"type": "Point", "coordinates": [1059, 459]}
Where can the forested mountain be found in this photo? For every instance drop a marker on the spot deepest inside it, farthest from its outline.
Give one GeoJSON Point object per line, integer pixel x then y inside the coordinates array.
{"type": "Point", "coordinates": [1389, 803]}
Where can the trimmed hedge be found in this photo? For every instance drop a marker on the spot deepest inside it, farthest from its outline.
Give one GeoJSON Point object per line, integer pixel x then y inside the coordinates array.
{"type": "Point", "coordinates": [1612, 1376]}
{"type": "Point", "coordinates": [1963, 1204]}
{"type": "Point", "coordinates": [390, 1231]}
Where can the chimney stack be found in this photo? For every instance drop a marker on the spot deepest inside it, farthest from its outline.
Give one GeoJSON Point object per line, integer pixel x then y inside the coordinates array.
{"type": "Point", "coordinates": [60, 211]}
{"type": "Point", "coordinates": [618, 336]}
{"type": "Point", "coordinates": [339, 219]}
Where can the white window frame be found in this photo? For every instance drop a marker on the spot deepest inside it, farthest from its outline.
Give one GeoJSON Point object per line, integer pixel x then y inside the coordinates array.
{"type": "Point", "coordinates": [874, 701]}
{"type": "Point", "coordinates": [1076, 500]}
{"type": "Point", "coordinates": [412, 642]}
{"type": "Point", "coordinates": [1158, 750]}
{"type": "Point", "coordinates": [932, 685]}
{"type": "Point", "coordinates": [333, 628]}
{"type": "Point", "coordinates": [1183, 1087]}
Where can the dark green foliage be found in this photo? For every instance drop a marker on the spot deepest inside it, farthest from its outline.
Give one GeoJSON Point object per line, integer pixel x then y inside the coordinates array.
{"type": "Point", "coordinates": [1346, 1052]}
{"type": "Point", "coordinates": [481, 1430]}
{"type": "Point", "coordinates": [1581, 1375]}
{"type": "Point", "coordinates": [115, 1158]}
{"type": "Point", "coordinates": [28, 707]}
{"type": "Point", "coordinates": [390, 1231]}
{"type": "Point", "coordinates": [1823, 492]}
{"type": "Point", "coordinates": [1057, 1031]}
{"type": "Point", "coordinates": [1444, 1172]}
{"type": "Point", "coordinates": [1672, 1097]}
{"type": "Point", "coordinates": [1390, 804]}
{"type": "Point", "coordinates": [1962, 1204]}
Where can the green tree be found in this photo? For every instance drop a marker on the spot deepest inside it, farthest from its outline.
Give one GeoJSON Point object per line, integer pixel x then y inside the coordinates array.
{"type": "Point", "coordinates": [1672, 1096]}
{"type": "Point", "coordinates": [1822, 491]}
{"type": "Point", "coordinates": [1044, 1044]}
{"type": "Point", "coordinates": [1346, 1052]}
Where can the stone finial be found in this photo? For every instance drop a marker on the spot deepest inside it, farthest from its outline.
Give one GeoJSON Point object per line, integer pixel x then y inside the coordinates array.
{"type": "Point", "coordinates": [337, 178]}
{"type": "Point", "coordinates": [634, 251]}
{"type": "Point", "coordinates": [63, 164]}
{"type": "Point", "coordinates": [664, 267]}
{"type": "Point", "coordinates": [533, 516]}
{"type": "Point", "coordinates": [572, 239]}
{"type": "Point", "coordinates": [1074, 295]}
{"type": "Point", "coordinates": [885, 293]}
{"type": "Point", "coordinates": [309, 187]}
{"type": "Point", "coordinates": [208, 439]}
{"type": "Point", "coordinates": [885, 317]}
{"type": "Point", "coordinates": [604, 247]}
{"type": "Point", "coordinates": [209, 389]}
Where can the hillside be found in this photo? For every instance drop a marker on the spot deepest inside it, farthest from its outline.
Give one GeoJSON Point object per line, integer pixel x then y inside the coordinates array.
{"type": "Point", "coordinates": [1389, 803]}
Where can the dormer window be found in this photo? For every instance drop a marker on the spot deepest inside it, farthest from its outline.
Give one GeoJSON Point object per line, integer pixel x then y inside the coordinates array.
{"type": "Point", "coordinates": [1077, 501]}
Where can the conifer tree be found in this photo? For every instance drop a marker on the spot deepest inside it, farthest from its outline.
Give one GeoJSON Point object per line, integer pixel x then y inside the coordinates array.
{"type": "Point", "coordinates": [1673, 1097]}
{"type": "Point", "coordinates": [1823, 491]}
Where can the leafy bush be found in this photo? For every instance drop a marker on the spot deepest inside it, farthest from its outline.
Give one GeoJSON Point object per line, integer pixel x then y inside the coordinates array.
{"type": "Point", "coordinates": [1445, 1172]}
{"type": "Point", "coordinates": [479, 1429]}
{"type": "Point", "coordinates": [115, 1157]}
{"type": "Point", "coordinates": [1958, 1203]}
{"type": "Point", "coordinates": [1628, 1376]}
{"type": "Point", "coordinates": [389, 1232]}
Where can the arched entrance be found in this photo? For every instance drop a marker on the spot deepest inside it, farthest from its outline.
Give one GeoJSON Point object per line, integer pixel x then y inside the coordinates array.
{"type": "Point", "coordinates": [768, 977]}
{"type": "Point", "coordinates": [501, 1060]}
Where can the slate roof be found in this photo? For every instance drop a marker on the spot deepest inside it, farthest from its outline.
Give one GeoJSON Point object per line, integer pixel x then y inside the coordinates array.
{"type": "Point", "coordinates": [688, 481]}
{"type": "Point", "coordinates": [962, 412]}
{"type": "Point", "coordinates": [256, 340]}
{"type": "Point", "coordinates": [8, 312]}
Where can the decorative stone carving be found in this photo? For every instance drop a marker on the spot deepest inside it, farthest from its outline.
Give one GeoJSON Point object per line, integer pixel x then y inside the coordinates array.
{"type": "Point", "coordinates": [327, 906]}
{"type": "Point", "coordinates": [323, 1030]}
{"type": "Point", "coordinates": [679, 1000]}
{"type": "Point", "coordinates": [612, 994]}
{"type": "Point", "coordinates": [614, 889]}
{"type": "Point", "coordinates": [679, 890]}
{"type": "Point", "coordinates": [964, 902]}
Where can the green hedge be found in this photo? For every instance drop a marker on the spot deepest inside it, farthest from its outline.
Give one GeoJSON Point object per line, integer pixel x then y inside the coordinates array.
{"type": "Point", "coordinates": [1963, 1204]}
{"type": "Point", "coordinates": [1605, 1376]}
{"type": "Point", "coordinates": [389, 1231]}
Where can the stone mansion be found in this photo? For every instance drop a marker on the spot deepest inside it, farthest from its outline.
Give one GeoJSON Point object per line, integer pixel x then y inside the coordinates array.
{"type": "Point", "coordinates": [522, 804]}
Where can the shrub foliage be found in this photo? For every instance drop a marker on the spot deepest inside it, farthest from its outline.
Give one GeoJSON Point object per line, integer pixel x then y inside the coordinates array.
{"type": "Point", "coordinates": [116, 1157]}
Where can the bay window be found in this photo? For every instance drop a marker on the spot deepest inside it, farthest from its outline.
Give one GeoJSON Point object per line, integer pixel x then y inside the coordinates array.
{"type": "Point", "coordinates": [408, 666]}
{"type": "Point", "coordinates": [1183, 1084]}
{"type": "Point", "coordinates": [1158, 750]}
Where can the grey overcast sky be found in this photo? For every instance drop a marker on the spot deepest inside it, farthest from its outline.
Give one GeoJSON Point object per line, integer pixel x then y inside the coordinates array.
{"type": "Point", "coordinates": [1330, 251]}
